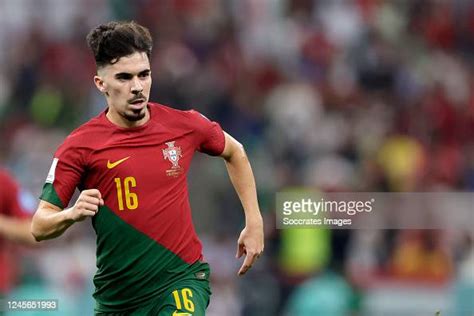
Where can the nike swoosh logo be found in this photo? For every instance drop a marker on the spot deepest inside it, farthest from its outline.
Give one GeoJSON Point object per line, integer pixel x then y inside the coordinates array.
{"type": "Point", "coordinates": [111, 165]}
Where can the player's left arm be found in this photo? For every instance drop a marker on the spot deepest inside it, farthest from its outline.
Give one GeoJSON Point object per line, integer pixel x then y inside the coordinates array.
{"type": "Point", "coordinates": [16, 229]}
{"type": "Point", "coordinates": [240, 172]}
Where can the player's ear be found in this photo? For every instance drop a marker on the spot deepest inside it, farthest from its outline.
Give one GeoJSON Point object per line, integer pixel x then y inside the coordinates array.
{"type": "Point", "coordinates": [99, 83]}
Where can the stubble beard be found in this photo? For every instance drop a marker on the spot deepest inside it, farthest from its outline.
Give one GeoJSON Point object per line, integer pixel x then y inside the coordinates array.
{"type": "Point", "coordinates": [134, 115]}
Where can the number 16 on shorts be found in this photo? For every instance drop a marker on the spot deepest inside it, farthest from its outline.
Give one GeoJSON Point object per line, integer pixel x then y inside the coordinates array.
{"type": "Point", "coordinates": [183, 302]}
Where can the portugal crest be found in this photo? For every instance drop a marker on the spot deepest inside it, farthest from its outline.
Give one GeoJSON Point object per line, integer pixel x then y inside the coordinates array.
{"type": "Point", "coordinates": [173, 154]}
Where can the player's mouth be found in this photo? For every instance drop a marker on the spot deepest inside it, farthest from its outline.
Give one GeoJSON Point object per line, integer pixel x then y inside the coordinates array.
{"type": "Point", "coordinates": [138, 104]}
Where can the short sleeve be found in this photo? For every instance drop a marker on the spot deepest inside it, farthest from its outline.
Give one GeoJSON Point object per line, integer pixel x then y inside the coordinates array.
{"type": "Point", "coordinates": [64, 175]}
{"type": "Point", "coordinates": [210, 138]}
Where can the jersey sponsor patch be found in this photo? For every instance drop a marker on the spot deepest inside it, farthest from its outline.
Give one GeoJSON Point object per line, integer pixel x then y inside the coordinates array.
{"type": "Point", "coordinates": [52, 171]}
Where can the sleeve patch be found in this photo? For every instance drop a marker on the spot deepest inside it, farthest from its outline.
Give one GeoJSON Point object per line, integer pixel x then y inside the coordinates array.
{"type": "Point", "coordinates": [52, 171]}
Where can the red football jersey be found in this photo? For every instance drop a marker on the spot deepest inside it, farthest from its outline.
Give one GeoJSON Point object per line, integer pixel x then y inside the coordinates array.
{"type": "Point", "coordinates": [9, 206]}
{"type": "Point", "coordinates": [141, 174]}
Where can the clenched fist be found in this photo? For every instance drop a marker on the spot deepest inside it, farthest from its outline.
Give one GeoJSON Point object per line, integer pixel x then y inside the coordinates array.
{"type": "Point", "coordinates": [87, 205]}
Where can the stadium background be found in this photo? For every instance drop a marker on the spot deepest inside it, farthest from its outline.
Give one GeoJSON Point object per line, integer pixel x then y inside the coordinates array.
{"type": "Point", "coordinates": [335, 95]}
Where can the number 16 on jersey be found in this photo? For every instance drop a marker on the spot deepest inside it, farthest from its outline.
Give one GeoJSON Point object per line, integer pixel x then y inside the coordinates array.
{"type": "Point", "coordinates": [124, 193]}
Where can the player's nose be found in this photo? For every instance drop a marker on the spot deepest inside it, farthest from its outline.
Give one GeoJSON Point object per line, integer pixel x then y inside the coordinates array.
{"type": "Point", "coordinates": [137, 86]}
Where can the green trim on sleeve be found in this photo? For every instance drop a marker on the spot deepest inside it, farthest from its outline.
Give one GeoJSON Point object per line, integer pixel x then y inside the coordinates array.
{"type": "Point", "coordinates": [49, 195]}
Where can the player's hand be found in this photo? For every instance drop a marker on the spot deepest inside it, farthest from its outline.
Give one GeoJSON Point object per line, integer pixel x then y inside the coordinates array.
{"type": "Point", "coordinates": [87, 205]}
{"type": "Point", "coordinates": [250, 243]}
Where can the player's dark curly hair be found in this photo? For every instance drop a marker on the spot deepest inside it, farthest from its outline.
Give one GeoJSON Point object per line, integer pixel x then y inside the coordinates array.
{"type": "Point", "coordinates": [113, 40]}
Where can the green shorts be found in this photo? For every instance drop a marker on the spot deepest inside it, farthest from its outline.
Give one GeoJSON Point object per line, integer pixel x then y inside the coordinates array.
{"type": "Point", "coordinates": [189, 297]}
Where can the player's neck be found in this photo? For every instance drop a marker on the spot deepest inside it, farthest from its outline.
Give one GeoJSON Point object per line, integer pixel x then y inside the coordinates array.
{"type": "Point", "coordinates": [117, 119]}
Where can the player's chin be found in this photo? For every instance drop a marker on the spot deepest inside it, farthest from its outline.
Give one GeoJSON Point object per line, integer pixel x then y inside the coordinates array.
{"type": "Point", "coordinates": [134, 115]}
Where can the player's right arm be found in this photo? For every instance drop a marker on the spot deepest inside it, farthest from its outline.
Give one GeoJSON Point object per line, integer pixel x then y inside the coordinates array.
{"type": "Point", "coordinates": [50, 221]}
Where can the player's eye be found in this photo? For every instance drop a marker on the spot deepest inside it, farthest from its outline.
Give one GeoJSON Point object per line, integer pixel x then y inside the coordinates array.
{"type": "Point", "coordinates": [123, 77]}
{"type": "Point", "coordinates": [144, 74]}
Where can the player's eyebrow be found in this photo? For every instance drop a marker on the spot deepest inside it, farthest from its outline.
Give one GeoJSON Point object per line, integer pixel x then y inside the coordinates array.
{"type": "Point", "coordinates": [123, 75]}
{"type": "Point", "coordinates": [144, 72]}
{"type": "Point", "coordinates": [127, 75]}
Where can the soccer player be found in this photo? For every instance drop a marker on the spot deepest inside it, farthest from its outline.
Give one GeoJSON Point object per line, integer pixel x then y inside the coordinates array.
{"type": "Point", "coordinates": [130, 164]}
{"type": "Point", "coordinates": [14, 227]}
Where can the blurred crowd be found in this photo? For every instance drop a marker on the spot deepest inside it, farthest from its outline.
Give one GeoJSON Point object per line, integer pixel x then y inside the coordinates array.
{"type": "Point", "coordinates": [363, 95]}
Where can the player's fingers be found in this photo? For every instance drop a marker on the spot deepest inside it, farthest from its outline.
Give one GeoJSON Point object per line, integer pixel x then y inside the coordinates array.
{"type": "Point", "coordinates": [245, 266]}
{"type": "Point", "coordinates": [240, 250]}
{"type": "Point", "coordinates": [91, 207]}
{"type": "Point", "coordinates": [248, 262]}
{"type": "Point", "coordinates": [243, 269]}
{"type": "Point", "coordinates": [92, 192]}
{"type": "Point", "coordinates": [252, 256]}
{"type": "Point", "coordinates": [91, 200]}
{"type": "Point", "coordinates": [89, 213]}
{"type": "Point", "coordinates": [83, 214]}
{"type": "Point", "coordinates": [83, 205]}
{"type": "Point", "coordinates": [101, 202]}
